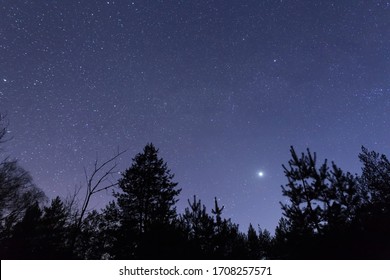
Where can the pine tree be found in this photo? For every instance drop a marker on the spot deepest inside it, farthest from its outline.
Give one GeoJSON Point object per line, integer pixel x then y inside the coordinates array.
{"type": "Point", "coordinates": [147, 205]}
{"type": "Point", "coordinates": [324, 203]}
{"type": "Point", "coordinates": [320, 198]}
{"type": "Point", "coordinates": [54, 231]}
{"type": "Point", "coordinates": [265, 243]}
{"type": "Point", "coordinates": [375, 178]}
{"type": "Point", "coordinates": [99, 234]}
{"type": "Point", "coordinates": [199, 228]}
{"type": "Point", "coordinates": [253, 243]}
{"type": "Point", "coordinates": [374, 216]}
{"type": "Point", "coordinates": [217, 211]}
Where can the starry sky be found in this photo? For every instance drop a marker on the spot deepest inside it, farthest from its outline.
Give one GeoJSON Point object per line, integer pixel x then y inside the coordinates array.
{"type": "Point", "coordinates": [222, 88]}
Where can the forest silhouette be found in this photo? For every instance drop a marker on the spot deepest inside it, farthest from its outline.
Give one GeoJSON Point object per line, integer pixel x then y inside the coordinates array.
{"type": "Point", "coordinates": [329, 214]}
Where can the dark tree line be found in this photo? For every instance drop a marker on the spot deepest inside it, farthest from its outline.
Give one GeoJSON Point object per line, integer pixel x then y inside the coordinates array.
{"type": "Point", "coordinates": [333, 214]}
{"type": "Point", "coordinates": [330, 214]}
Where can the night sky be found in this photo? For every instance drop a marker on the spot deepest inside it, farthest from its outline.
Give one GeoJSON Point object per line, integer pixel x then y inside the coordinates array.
{"type": "Point", "coordinates": [222, 88]}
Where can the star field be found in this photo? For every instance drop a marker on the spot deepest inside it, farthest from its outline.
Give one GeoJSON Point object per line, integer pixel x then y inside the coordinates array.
{"type": "Point", "coordinates": [222, 88]}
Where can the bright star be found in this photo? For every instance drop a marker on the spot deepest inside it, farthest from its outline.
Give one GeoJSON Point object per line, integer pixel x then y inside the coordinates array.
{"type": "Point", "coordinates": [260, 174]}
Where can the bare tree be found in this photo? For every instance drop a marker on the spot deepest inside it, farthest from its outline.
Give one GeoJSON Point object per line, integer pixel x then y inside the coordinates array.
{"type": "Point", "coordinates": [101, 179]}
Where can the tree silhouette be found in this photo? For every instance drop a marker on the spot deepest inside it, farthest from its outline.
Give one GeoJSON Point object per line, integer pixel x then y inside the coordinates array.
{"type": "Point", "coordinates": [24, 239]}
{"type": "Point", "coordinates": [17, 192]}
{"type": "Point", "coordinates": [373, 221]}
{"type": "Point", "coordinates": [98, 181]}
{"type": "Point", "coordinates": [281, 245]}
{"type": "Point", "coordinates": [211, 237]}
{"type": "Point", "coordinates": [217, 212]}
{"type": "Point", "coordinates": [54, 231]}
{"type": "Point", "coordinates": [17, 189]}
{"type": "Point", "coordinates": [199, 227]}
{"type": "Point", "coordinates": [227, 241]}
{"type": "Point", "coordinates": [376, 178]}
{"type": "Point", "coordinates": [99, 234]}
{"type": "Point", "coordinates": [253, 243]}
{"type": "Point", "coordinates": [147, 199]}
{"type": "Point", "coordinates": [41, 234]}
{"type": "Point", "coordinates": [323, 203]}
{"type": "Point", "coordinates": [265, 244]}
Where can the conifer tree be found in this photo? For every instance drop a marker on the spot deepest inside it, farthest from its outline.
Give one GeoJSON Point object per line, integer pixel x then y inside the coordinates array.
{"type": "Point", "coordinates": [148, 193]}
{"type": "Point", "coordinates": [320, 198]}
{"type": "Point", "coordinates": [253, 243]}
{"type": "Point", "coordinates": [217, 211]}
{"type": "Point", "coordinates": [375, 178]}
{"type": "Point", "coordinates": [324, 203]}
{"type": "Point", "coordinates": [53, 232]}
{"type": "Point", "coordinates": [199, 227]}
{"type": "Point", "coordinates": [265, 243]}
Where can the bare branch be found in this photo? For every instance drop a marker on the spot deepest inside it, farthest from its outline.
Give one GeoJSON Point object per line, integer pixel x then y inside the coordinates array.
{"type": "Point", "coordinates": [71, 200]}
{"type": "Point", "coordinates": [94, 181]}
{"type": "Point", "coordinates": [106, 188]}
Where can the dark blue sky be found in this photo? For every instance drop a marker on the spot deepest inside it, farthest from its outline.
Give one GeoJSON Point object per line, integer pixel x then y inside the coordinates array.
{"type": "Point", "coordinates": [223, 88]}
